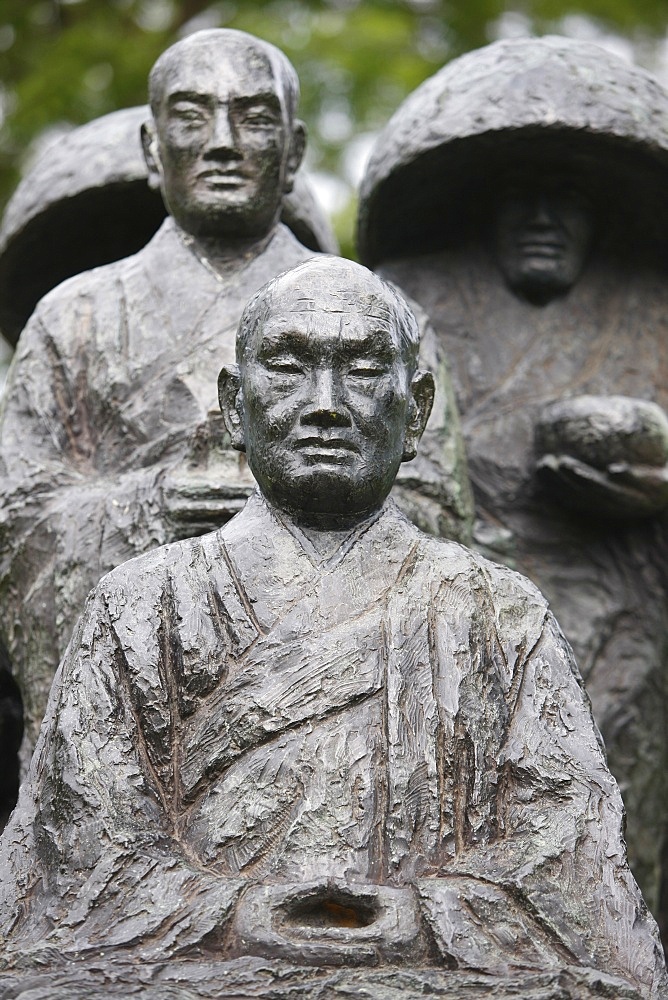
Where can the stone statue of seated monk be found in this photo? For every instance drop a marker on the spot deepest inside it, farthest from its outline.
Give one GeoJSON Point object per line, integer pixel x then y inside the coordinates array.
{"type": "Point", "coordinates": [317, 752]}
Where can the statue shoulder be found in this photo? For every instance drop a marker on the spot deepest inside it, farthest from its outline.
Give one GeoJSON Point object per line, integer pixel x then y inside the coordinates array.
{"type": "Point", "coordinates": [509, 585]}
{"type": "Point", "coordinates": [146, 576]}
{"type": "Point", "coordinates": [99, 288]}
{"type": "Point", "coordinates": [186, 565]}
{"type": "Point", "coordinates": [511, 604]}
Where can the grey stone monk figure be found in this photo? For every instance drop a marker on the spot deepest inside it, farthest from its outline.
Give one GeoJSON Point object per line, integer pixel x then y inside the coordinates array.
{"type": "Point", "coordinates": [317, 751]}
{"type": "Point", "coordinates": [111, 440]}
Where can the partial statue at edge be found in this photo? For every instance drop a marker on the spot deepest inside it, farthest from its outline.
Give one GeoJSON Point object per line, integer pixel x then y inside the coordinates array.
{"type": "Point", "coordinates": [519, 197]}
{"type": "Point", "coordinates": [317, 750]}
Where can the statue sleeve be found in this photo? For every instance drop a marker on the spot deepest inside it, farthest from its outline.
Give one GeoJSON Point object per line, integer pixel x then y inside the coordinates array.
{"type": "Point", "coordinates": [91, 854]}
{"type": "Point", "coordinates": [551, 886]}
{"type": "Point", "coordinates": [64, 521]}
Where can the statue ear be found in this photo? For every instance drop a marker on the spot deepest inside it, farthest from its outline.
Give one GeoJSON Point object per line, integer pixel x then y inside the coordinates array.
{"type": "Point", "coordinates": [422, 399]}
{"type": "Point", "coordinates": [231, 404]}
{"type": "Point", "coordinates": [149, 144]}
{"type": "Point", "coordinates": [295, 154]}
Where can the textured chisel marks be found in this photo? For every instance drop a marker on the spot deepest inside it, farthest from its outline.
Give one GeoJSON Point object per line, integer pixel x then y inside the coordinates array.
{"type": "Point", "coordinates": [461, 910]}
{"type": "Point", "coordinates": [243, 597]}
{"type": "Point", "coordinates": [139, 642]}
{"type": "Point", "coordinates": [278, 685]}
{"type": "Point", "coordinates": [558, 356]}
{"type": "Point", "coordinates": [388, 744]}
{"type": "Point", "coordinates": [318, 737]}
{"type": "Point", "coordinates": [256, 978]}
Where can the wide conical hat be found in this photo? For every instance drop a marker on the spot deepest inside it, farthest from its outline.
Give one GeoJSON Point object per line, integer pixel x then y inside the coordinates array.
{"type": "Point", "coordinates": [489, 104]}
{"type": "Point", "coordinates": [86, 202]}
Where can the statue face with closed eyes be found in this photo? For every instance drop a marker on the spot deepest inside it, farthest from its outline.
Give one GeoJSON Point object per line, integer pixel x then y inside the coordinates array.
{"type": "Point", "coordinates": [329, 401]}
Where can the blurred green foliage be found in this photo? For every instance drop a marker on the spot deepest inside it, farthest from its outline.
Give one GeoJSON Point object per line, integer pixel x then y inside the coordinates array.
{"type": "Point", "coordinates": [67, 61]}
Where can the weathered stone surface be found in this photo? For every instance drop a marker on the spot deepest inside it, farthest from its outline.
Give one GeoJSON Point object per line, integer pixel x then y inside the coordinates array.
{"type": "Point", "coordinates": [244, 979]}
{"type": "Point", "coordinates": [562, 388]}
{"type": "Point", "coordinates": [317, 752]}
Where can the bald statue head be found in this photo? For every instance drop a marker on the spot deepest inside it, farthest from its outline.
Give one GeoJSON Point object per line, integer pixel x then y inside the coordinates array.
{"type": "Point", "coordinates": [327, 400]}
{"type": "Point", "coordinates": [223, 145]}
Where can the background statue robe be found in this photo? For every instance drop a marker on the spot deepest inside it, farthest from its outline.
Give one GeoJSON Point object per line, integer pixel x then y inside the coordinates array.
{"type": "Point", "coordinates": [521, 111]}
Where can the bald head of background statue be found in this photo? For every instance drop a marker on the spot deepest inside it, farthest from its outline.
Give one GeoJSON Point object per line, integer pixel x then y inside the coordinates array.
{"type": "Point", "coordinates": [224, 144]}
{"type": "Point", "coordinates": [327, 400]}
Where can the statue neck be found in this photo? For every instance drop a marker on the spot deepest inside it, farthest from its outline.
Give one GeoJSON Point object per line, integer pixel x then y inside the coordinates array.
{"type": "Point", "coordinates": [222, 256]}
{"type": "Point", "coordinates": [324, 534]}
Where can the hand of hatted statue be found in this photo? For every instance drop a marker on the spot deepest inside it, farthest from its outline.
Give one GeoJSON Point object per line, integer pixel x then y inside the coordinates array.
{"type": "Point", "coordinates": [606, 455]}
{"type": "Point", "coordinates": [195, 501]}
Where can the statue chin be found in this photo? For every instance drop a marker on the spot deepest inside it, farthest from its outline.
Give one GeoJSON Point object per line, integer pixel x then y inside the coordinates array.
{"type": "Point", "coordinates": [539, 281]}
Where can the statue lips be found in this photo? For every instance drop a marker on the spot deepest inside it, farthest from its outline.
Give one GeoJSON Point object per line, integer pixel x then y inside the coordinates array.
{"type": "Point", "coordinates": [220, 177]}
{"type": "Point", "coordinates": [330, 450]}
{"type": "Point", "coordinates": [545, 244]}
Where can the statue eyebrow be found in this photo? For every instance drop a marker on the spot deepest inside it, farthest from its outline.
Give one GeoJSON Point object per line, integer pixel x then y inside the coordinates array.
{"type": "Point", "coordinates": [269, 99]}
{"type": "Point", "coordinates": [249, 100]}
{"type": "Point", "coordinates": [297, 340]}
{"type": "Point", "coordinates": [283, 339]}
{"type": "Point", "coordinates": [189, 95]}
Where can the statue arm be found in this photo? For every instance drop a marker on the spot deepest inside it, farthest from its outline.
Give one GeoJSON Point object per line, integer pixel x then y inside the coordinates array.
{"type": "Point", "coordinates": [92, 842]}
{"type": "Point", "coordinates": [552, 886]}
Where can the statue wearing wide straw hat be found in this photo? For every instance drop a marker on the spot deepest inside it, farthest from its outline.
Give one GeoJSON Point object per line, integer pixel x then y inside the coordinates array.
{"type": "Point", "coordinates": [519, 197]}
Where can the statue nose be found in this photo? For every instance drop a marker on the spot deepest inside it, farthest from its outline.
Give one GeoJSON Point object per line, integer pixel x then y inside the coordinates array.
{"type": "Point", "coordinates": [222, 132]}
{"type": "Point", "coordinates": [541, 213]}
{"type": "Point", "coordinates": [327, 408]}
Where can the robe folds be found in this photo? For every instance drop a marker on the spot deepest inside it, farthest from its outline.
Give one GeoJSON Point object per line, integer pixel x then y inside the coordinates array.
{"type": "Point", "coordinates": [606, 578]}
{"type": "Point", "coordinates": [241, 725]}
{"type": "Point", "coordinates": [112, 392]}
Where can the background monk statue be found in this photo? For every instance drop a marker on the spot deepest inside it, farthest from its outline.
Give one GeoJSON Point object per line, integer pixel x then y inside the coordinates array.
{"type": "Point", "coordinates": [517, 196]}
{"type": "Point", "coordinates": [86, 201]}
{"type": "Point", "coordinates": [111, 441]}
{"type": "Point", "coordinates": [317, 738]}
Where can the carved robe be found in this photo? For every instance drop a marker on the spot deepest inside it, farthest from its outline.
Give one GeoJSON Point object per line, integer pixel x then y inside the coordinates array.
{"type": "Point", "coordinates": [113, 385]}
{"type": "Point", "coordinates": [238, 717]}
{"type": "Point", "coordinates": [605, 578]}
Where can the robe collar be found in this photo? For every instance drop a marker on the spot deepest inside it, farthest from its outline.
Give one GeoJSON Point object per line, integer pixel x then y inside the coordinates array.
{"type": "Point", "coordinates": [276, 563]}
{"type": "Point", "coordinates": [327, 557]}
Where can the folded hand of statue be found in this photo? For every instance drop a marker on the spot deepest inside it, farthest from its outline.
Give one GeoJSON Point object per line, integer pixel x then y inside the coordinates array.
{"type": "Point", "coordinates": [605, 455]}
